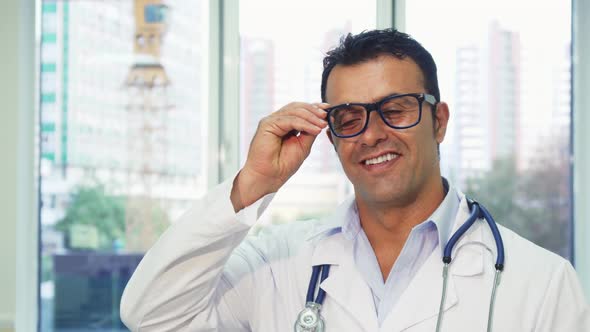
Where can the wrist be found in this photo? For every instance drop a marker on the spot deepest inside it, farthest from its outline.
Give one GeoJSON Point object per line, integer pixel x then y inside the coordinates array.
{"type": "Point", "coordinates": [246, 190]}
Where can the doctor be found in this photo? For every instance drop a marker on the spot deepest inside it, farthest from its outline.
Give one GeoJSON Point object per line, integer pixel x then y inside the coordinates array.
{"type": "Point", "coordinates": [384, 246]}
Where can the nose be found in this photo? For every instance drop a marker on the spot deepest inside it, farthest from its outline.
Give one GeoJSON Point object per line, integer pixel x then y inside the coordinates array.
{"type": "Point", "coordinates": [375, 132]}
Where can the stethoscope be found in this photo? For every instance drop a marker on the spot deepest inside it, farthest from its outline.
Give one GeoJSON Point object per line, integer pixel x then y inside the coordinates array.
{"type": "Point", "coordinates": [311, 320]}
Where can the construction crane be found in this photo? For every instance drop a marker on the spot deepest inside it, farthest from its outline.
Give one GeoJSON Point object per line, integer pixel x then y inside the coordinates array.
{"type": "Point", "coordinates": [147, 110]}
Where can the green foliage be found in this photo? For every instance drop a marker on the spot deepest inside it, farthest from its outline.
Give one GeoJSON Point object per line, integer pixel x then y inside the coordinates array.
{"type": "Point", "coordinates": [93, 207]}
{"type": "Point", "coordinates": [535, 204]}
{"type": "Point", "coordinates": [146, 221]}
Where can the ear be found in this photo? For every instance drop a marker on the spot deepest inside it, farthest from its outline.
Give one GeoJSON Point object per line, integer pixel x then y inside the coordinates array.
{"type": "Point", "coordinates": [441, 120]}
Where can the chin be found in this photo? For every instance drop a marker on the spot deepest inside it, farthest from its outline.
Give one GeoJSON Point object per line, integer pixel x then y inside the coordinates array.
{"type": "Point", "coordinates": [384, 196]}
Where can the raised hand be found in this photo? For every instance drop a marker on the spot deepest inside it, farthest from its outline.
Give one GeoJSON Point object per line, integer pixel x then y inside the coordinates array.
{"type": "Point", "coordinates": [280, 145]}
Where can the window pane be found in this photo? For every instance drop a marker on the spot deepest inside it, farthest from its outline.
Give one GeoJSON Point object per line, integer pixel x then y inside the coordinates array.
{"type": "Point", "coordinates": [507, 82]}
{"type": "Point", "coordinates": [123, 140]}
{"type": "Point", "coordinates": [281, 62]}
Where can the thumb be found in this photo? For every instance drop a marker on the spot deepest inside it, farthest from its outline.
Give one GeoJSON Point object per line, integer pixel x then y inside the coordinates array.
{"type": "Point", "coordinates": [306, 140]}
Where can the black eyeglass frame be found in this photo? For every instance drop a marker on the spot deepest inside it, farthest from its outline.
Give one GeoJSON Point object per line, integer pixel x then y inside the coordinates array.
{"type": "Point", "coordinates": [370, 107]}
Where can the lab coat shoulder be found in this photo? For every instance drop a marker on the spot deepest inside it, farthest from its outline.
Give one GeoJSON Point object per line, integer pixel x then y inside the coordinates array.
{"type": "Point", "coordinates": [266, 275]}
{"type": "Point", "coordinates": [207, 272]}
{"type": "Point", "coordinates": [178, 284]}
{"type": "Point", "coordinates": [543, 286]}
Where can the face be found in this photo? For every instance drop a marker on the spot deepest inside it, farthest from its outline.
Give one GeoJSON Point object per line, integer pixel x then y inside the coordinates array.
{"type": "Point", "coordinates": [385, 165]}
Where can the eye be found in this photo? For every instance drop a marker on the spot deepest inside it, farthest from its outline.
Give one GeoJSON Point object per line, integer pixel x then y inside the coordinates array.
{"type": "Point", "coordinates": [347, 113]}
{"type": "Point", "coordinates": [406, 103]}
{"type": "Point", "coordinates": [347, 117]}
{"type": "Point", "coordinates": [393, 113]}
{"type": "Point", "coordinates": [349, 124]}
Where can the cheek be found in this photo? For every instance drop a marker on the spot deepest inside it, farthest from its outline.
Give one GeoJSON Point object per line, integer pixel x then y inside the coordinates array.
{"type": "Point", "coordinates": [420, 144]}
{"type": "Point", "coordinates": [345, 152]}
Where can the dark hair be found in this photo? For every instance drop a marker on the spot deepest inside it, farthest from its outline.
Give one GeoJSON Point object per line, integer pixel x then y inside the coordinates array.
{"type": "Point", "coordinates": [368, 45]}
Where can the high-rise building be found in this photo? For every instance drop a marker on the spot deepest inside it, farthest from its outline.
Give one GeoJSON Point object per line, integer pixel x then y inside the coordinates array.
{"type": "Point", "coordinates": [550, 142]}
{"type": "Point", "coordinates": [487, 103]}
{"type": "Point", "coordinates": [87, 124]}
{"type": "Point", "coordinates": [257, 86]}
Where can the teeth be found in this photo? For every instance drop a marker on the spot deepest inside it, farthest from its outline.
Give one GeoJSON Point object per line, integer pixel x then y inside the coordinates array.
{"type": "Point", "coordinates": [380, 159]}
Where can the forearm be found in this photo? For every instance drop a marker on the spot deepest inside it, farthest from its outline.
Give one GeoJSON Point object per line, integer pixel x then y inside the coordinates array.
{"type": "Point", "coordinates": [178, 274]}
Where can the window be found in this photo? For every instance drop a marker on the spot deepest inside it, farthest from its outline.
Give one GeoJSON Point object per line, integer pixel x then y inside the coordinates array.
{"type": "Point", "coordinates": [281, 62]}
{"type": "Point", "coordinates": [114, 171]}
{"type": "Point", "coordinates": [507, 82]}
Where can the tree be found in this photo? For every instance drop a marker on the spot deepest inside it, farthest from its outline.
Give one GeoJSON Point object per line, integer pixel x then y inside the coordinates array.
{"type": "Point", "coordinates": [533, 203]}
{"type": "Point", "coordinates": [91, 206]}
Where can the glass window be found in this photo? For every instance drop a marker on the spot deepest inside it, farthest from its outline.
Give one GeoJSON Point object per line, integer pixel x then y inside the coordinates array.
{"type": "Point", "coordinates": [120, 156]}
{"type": "Point", "coordinates": [155, 13]}
{"type": "Point", "coordinates": [507, 82]}
{"type": "Point", "coordinates": [281, 62]}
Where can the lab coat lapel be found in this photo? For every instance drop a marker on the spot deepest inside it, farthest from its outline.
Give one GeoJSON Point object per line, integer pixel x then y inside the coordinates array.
{"type": "Point", "coordinates": [421, 300]}
{"type": "Point", "coordinates": [345, 288]}
{"type": "Point", "coordinates": [468, 254]}
{"type": "Point", "coordinates": [349, 298]}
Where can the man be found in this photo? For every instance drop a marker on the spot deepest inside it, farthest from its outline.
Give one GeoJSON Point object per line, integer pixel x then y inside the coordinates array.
{"type": "Point", "coordinates": [384, 245]}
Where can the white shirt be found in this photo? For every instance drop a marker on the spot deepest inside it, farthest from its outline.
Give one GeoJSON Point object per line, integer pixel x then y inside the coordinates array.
{"type": "Point", "coordinates": [422, 241]}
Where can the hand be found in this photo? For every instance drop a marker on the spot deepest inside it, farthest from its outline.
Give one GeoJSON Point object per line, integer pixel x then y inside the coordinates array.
{"type": "Point", "coordinates": [280, 145]}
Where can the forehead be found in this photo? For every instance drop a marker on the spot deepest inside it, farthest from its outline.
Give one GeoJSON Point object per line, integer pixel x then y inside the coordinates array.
{"type": "Point", "coordinates": [373, 80]}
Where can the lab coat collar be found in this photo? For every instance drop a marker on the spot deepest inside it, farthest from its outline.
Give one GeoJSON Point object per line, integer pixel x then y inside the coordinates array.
{"type": "Point", "coordinates": [345, 286]}
{"type": "Point", "coordinates": [347, 209]}
{"type": "Point", "coordinates": [470, 262]}
{"type": "Point", "coordinates": [327, 236]}
{"type": "Point", "coordinates": [335, 221]}
{"type": "Point", "coordinates": [421, 300]}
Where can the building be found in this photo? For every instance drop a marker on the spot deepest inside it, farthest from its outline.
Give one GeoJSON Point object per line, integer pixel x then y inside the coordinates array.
{"type": "Point", "coordinates": [487, 95]}
{"type": "Point", "coordinates": [90, 123]}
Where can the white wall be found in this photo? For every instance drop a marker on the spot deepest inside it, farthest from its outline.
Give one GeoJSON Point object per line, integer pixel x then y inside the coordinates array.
{"type": "Point", "coordinates": [17, 198]}
{"type": "Point", "coordinates": [581, 121]}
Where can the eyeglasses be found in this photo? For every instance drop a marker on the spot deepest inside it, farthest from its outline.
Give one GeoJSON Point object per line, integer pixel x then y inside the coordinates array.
{"type": "Point", "coordinates": [397, 111]}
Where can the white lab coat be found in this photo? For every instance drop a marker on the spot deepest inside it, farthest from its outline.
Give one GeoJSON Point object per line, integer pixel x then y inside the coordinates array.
{"type": "Point", "coordinates": [196, 278]}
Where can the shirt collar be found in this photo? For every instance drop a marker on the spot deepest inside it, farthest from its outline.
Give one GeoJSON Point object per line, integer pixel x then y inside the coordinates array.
{"type": "Point", "coordinates": [444, 216]}
{"type": "Point", "coordinates": [345, 219]}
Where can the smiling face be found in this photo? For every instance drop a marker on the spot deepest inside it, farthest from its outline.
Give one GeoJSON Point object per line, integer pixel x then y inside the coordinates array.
{"type": "Point", "coordinates": [387, 166]}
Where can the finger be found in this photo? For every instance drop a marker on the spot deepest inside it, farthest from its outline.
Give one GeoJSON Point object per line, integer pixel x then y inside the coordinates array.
{"type": "Point", "coordinates": [316, 109]}
{"type": "Point", "coordinates": [281, 125]}
{"type": "Point", "coordinates": [322, 105]}
{"type": "Point", "coordinates": [321, 108]}
{"type": "Point", "coordinates": [307, 141]}
{"type": "Point", "coordinates": [308, 112]}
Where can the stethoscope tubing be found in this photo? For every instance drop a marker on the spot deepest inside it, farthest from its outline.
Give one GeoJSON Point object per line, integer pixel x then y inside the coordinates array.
{"type": "Point", "coordinates": [497, 238]}
{"type": "Point", "coordinates": [313, 283]}
{"type": "Point", "coordinates": [476, 211]}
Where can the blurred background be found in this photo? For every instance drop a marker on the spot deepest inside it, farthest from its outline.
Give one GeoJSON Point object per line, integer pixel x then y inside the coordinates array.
{"type": "Point", "coordinates": [130, 110]}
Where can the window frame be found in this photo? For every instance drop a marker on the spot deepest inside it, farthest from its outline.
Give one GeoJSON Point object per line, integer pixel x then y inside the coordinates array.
{"type": "Point", "coordinates": [580, 139]}
{"type": "Point", "coordinates": [23, 216]}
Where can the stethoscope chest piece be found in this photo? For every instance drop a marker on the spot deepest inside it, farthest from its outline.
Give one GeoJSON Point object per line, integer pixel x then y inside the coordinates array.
{"type": "Point", "coordinates": [309, 319]}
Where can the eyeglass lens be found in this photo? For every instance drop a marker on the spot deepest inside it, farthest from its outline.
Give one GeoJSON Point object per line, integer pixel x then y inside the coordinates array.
{"type": "Point", "coordinates": [397, 112]}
